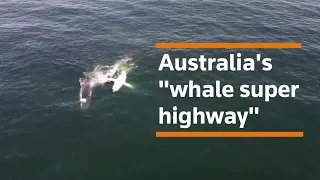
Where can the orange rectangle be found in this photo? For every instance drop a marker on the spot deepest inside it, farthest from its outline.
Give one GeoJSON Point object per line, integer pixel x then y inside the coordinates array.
{"type": "Point", "coordinates": [203, 45]}
{"type": "Point", "coordinates": [231, 134]}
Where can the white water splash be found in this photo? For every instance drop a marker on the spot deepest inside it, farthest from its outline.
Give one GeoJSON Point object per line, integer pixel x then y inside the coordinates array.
{"type": "Point", "coordinates": [103, 74]}
{"type": "Point", "coordinates": [106, 73]}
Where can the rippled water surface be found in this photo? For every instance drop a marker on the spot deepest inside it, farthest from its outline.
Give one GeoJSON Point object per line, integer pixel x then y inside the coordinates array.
{"type": "Point", "coordinates": [46, 45]}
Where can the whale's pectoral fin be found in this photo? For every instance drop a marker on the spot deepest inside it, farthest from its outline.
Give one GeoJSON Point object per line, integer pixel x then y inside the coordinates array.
{"type": "Point", "coordinates": [129, 85]}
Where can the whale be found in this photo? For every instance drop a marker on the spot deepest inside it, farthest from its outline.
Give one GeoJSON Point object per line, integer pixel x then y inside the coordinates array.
{"type": "Point", "coordinates": [86, 89]}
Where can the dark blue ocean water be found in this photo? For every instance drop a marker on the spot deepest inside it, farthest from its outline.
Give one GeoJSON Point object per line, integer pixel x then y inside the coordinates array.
{"type": "Point", "coordinates": [46, 45]}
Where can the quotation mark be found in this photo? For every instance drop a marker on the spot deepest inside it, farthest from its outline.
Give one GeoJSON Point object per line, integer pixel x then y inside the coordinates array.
{"type": "Point", "coordinates": [164, 83]}
{"type": "Point", "coordinates": [253, 110]}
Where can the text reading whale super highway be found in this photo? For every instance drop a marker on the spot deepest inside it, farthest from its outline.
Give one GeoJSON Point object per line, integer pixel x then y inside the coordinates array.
{"type": "Point", "coordinates": [235, 62]}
